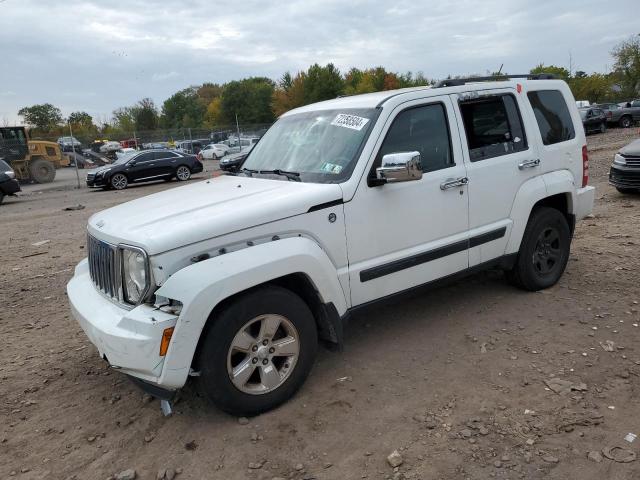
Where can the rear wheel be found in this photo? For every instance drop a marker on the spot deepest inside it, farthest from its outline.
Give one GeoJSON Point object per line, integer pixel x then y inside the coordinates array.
{"type": "Point", "coordinates": [119, 181]}
{"type": "Point", "coordinates": [42, 171]}
{"type": "Point", "coordinates": [183, 173]}
{"type": "Point", "coordinates": [544, 251]}
{"type": "Point", "coordinates": [603, 127]}
{"type": "Point", "coordinates": [258, 351]}
{"type": "Point", "coordinates": [625, 122]}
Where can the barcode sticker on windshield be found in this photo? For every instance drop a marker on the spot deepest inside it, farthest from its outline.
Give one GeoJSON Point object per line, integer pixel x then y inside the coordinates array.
{"type": "Point", "coordinates": [350, 121]}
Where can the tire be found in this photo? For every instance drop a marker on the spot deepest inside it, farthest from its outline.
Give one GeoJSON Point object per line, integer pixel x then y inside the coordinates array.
{"type": "Point", "coordinates": [218, 358]}
{"type": "Point", "coordinates": [544, 251]}
{"type": "Point", "coordinates": [625, 122]}
{"type": "Point", "coordinates": [119, 181]}
{"type": "Point", "coordinates": [183, 173]}
{"type": "Point", "coordinates": [627, 190]}
{"type": "Point", "coordinates": [42, 171]}
{"type": "Point", "coordinates": [603, 127]}
{"type": "Point", "coordinates": [1, 197]}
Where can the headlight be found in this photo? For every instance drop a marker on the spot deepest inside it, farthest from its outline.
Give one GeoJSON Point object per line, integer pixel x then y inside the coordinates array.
{"type": "Point", "coordinates": [10, 174]}
{"type": "Point", "coordinates": [135, 274]}
{"type": "Point", "coordinates": [619, 160]}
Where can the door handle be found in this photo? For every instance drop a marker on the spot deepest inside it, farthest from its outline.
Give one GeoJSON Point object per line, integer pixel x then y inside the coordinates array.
{"type": "Point", "coordinates": [529, 164]}
{"type": "Point", "coordinates": [453, 183]}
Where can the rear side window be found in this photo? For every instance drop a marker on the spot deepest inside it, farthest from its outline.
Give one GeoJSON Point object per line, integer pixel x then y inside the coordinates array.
{"type": "Point", "coordinates": [161, 155]}
{"type": "Point", "coordinates": [552, 115]}
{"type": "Point", "coordinates": [493, 127]}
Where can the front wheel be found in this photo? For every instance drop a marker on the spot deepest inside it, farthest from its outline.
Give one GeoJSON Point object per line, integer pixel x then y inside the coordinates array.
{"type": "Point", "coordinates": [119, 181]}
{"type": "Point", "coordinates": [183, 173]}
{"type": "Point", "coordinates": [544, 251]}
{"type": "Point", "coordinates": [258, 351]}
{"type": "Point", "coordinates": [625, 122]}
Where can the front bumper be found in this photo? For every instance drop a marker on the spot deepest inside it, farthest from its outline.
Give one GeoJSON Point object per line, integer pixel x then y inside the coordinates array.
{"type": "Point", "coordinates": [93, 181]}
{"type": "Point", "coordinates": [9, 187]}
{"type": "Point", "coordinates": [128, 339]}
{"type": "Point", "coordinates": [624, 177]}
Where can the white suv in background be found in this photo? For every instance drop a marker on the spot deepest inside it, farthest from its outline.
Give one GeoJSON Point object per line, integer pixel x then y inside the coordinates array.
{"type": "Point", "coordinates": [340, 205]}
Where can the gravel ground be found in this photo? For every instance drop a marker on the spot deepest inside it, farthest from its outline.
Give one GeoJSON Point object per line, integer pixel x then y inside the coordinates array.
{"type": "Point", "coordinates": [470, 381]}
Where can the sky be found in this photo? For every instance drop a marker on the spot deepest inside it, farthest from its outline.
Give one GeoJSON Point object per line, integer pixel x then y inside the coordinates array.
{"type": "Point", "coordinates": [98, 56]}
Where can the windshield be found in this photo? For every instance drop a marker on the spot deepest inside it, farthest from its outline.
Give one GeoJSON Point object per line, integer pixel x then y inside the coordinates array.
{"type": "Point", "coordinates": [123, 157]}
{"type": "Point", "coordinates": [322, 146]}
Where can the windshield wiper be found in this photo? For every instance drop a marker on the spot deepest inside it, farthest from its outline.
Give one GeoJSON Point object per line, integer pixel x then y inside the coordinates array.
{"type": "Point", "coordinates": [249, 171]}
{"type": "Point", "coordinates": [295, 176]}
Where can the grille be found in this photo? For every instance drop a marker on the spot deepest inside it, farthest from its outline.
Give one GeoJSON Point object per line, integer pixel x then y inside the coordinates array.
{"type": "Point", "coordinates": [632, 161]}
{"type": "Point", "coordinates": [104, 268]}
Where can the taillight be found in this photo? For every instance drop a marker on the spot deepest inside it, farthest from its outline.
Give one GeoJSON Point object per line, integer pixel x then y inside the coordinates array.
{"type": "Point", "coordinates": [610, 114]}
{"type": "Point", "coordinates": [585, 166]}
{"type": "Point", "coordinates": [199, 156]}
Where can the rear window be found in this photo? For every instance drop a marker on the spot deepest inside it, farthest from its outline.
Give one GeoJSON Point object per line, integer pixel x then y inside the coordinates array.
{"type": "Point", "coordinates": [552, 115]}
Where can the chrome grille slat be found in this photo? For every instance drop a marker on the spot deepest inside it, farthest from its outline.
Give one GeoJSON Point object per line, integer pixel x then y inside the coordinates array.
{"type": "Point", "coordinates": [104, 268]}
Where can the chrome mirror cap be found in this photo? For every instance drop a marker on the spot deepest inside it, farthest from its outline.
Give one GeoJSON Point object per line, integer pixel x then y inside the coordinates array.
{"type": "Point", "coordinates": [400, 167]}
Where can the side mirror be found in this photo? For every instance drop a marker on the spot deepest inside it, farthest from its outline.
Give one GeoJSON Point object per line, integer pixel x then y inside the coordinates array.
{"type": "Point", "coordinates": [399, 167]}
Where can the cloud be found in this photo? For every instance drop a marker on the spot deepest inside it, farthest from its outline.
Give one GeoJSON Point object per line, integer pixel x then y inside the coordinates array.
{"type": "Point", "coordinates": [126, 50]}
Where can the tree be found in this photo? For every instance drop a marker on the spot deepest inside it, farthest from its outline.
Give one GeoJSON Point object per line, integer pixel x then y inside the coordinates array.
{"type": "Point", "coordinates": [559, 72]}
{"type": "Point", "coordinates": [213, 117]}
{"type": "Point", "coordinates": [124, 119]}
{"type": "Point", "coordinates": [595, 87]}
{"type": "Point", "coordinates": [250, 99]}
{"type": "Point", "coordinates": [44, 117]}
{"type": "Point", "coordinates": [322, 83]}
{"type": "Point", "coordinates": [145, 115]}
{"type": "Point", "coordinates": [627, 66]}
{"type": "Point", "coordinates": [289, 93]}
{"type": "Point", "coordinates": [80, 119]}
{"type": "Point", "coordinates": [183, 109]}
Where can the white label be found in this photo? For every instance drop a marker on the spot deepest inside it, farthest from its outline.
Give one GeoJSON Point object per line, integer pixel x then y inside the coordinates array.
{"type": "Point", "coordinates": [350, 121]}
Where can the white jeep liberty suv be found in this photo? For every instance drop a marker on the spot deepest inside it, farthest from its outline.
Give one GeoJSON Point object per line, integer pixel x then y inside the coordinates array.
{"type": "Point", "coordinates": [342, 203]}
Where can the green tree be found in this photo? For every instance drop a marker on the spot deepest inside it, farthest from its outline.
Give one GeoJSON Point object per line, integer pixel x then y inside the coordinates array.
{"type": "Point", "coordinates": [289, 93]}
{"type": "Point", "coordinates": [183, 109]}
{"type": "Point", "coordinates": [80, 119]}
{"type": "Point", "coordinates": [124, 119]}
{"type": "Point", "coordinates": [560, 72]}
{"type": "Point", "coordinates": [145, 115]}
{"type": "Point", "coordinates": [322, 83]}
{"type": "Point", "coordinates": [250, 99]}
{"type": "Point", "coordinates": [44, 117]}
{"type": "Point", "coordinates": [596, 87]}
{"type": "Point", "coordinates": [627, 66]}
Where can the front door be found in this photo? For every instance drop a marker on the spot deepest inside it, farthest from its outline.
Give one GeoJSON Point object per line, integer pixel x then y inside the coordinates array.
{"type": "Point", "coordinates": [144, 167]}
{"type": "Point", "coordinates": [400, 235]}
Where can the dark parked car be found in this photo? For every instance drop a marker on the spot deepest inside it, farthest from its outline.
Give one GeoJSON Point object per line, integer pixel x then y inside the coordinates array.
{"type": "Point", "coordinates": [625, 170]}
{"type": "Point", "coordinates": [8, 183]}
{"type": "Point", "coordinates": [232, 163]}
{"type": "Point", "coordinates": [144, 166]}
{"type": "Point", "coordinates": [593, 119]}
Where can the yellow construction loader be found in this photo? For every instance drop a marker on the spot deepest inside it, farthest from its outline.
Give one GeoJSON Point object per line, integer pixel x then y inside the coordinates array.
{"type": "Point", "coordinates": [35, 160]}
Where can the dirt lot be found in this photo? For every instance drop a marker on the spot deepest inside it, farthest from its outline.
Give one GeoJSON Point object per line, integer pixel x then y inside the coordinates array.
{"type": "Point", "coordinates": [459, 380]}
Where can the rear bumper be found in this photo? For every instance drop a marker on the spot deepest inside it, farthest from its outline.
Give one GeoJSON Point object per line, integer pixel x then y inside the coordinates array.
{"type": "Point", "coordinates": [128, 339]}
{"type": "Point", "coordinates": [624, 177]}
{"type": "Point", "coordinates": [584, 202]}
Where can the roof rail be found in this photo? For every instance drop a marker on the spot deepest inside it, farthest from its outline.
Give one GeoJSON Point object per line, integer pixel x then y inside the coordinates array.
{"type": "Point", "coordinates": [452, 82]}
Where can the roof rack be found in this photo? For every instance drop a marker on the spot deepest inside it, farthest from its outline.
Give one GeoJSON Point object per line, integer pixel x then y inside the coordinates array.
{"type": "Point", "coordinates": [452, 82]}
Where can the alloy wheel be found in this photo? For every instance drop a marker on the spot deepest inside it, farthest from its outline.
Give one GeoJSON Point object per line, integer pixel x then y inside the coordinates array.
{"type": "Point", "coordinates": [183, 173]}
{"type": "Point", "coordinates": [263, 354]}
{"type": "Point", "coordinates": [547, 253]}
{"type": "Point", "coordinates": [119, 181]}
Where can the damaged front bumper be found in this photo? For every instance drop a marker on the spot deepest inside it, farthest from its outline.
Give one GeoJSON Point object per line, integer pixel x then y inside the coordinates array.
{"type": "Point", "coordinates": [128, 339]}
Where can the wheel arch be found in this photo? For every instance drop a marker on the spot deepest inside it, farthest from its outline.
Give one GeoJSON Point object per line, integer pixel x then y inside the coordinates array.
{"type": "Point", "coordinates": [555, 190]}
{"type": "Point", "coordinates": [205, 288]}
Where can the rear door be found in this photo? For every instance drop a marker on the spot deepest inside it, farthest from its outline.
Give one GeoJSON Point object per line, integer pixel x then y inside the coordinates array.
{"type": "Point", "coordinates": [166, 162]}
{"type": "Point", "coordinates": [499, 158]}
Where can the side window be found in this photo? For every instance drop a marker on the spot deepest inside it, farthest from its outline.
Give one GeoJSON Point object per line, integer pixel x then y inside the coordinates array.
{"type": "Point", "coordinates": [145, 157]}
{"type": "Point", "coordinates": [424, 129]}
{"type": "Point", "coordinates": [163, 155]}
{"type": "Point", "coordinates": [493, 127]}
{"type": "Point", "coordinates": [552, 115]}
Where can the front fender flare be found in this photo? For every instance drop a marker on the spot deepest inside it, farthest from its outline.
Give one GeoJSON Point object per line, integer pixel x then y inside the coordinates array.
{"type": "Point", "coordinates": [202, 286]}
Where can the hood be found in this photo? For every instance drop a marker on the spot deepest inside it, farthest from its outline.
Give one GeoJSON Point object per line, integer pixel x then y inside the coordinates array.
{"type": "Point", "coordinates": [631, 150]}
{"type": "Point", "coordinates": [205, 210]}
{"type": "Point", "coordinates": [100, 169]}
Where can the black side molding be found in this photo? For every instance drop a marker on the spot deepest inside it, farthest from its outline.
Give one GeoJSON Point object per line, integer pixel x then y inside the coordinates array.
{"type": "Point", "coordinates": [322, 206]}
{"type": "Point", "coordinates": [414, 260]}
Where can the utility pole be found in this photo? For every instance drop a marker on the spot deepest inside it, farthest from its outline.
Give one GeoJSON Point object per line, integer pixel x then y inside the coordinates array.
{"type": "Point", "coordinates": [75, 160]}
{"type": "Point", "coordinates": [238, 132]}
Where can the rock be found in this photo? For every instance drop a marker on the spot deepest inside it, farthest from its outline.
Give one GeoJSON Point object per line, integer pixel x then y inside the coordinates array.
{"type": "Point", "coordinates": [608, 346]}
{"type": "Point", "coordinates": [527, 457]}
{"type": "Point", "coordinates": [299, 467]}
{"type": "Point", "coordinates": [594, 456]}
{"type": "Point", "coordinates": [162, 473]}
{"type": "Point", "coordinates": [550, 459]}
{"type": "Point", "coordinates": [497, 464]}
{"type": "Point", "coordinates": [564, 387]}
{"type": "Point", "coordinates": [483, 430]}
{"type": "Point", "coordinates": [431, 424]}
{"type": "Point", "coordinates": [255, 465]}
{"type": "Point", "coordinates": [420, 418]}
{"type": "Point", "coordinates": [126, 475]}
{"type": "Point", "coordinates": [170, 474]}
{"type": "Point", "coordinates": [395, 459]}
{"type": "Point", "coordinates": [243, 421]}
{"type": "Point", "coordinates": [149, 437]}
{"type": "Point", "coordinates": [466, 433]}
